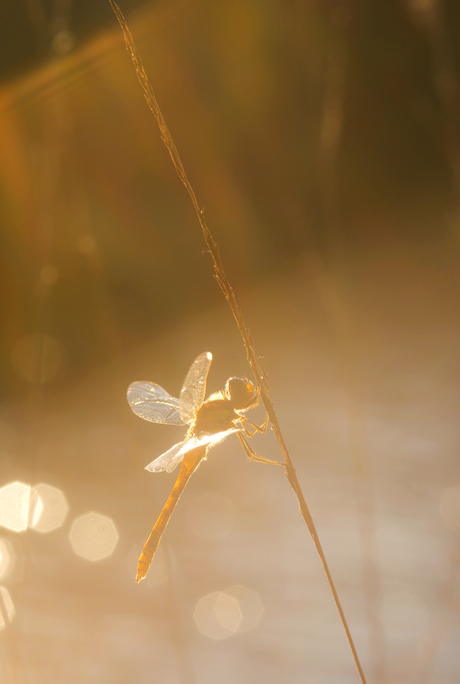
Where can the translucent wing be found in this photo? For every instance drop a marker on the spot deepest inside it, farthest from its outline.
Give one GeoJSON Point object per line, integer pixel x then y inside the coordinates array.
{"type": "Point", "coordinates": [167, 461]}
{"type": "Point", "coordinates": [152, 402]}
{"type": "Point", "coordinates": [171, 458]}
{"type": "Point", "coordinates": [194, 387]}
{"type": "Point", "coordinates": [205, 440]}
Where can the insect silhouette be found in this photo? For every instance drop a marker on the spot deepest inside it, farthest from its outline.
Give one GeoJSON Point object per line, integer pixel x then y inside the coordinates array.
{"type": "Point", "coordinates": [209, 422]}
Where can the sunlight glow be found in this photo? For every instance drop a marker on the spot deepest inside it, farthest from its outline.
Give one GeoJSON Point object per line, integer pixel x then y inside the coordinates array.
{"type": "Point", "coordinates": [93, 536]}
{"type": "Point", "coordinates": [42, 507]}
{"type": "Point", "coordinates": [50, 509]}
{"type": "Point", "coordinates": [14, 506]}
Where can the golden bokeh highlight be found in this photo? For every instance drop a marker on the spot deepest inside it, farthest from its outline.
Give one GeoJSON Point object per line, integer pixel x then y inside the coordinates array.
{"type": "Point", "coordinates": [217, 615]}
{"type": "Point", "coordinates": [222, 614]}
{"type": "Point", "coordinates": [37, 358]}
{"type": "Point", "coordinates": [14, 506]}
{"type": "Point", "coordinates": [211, 516]}
{"type": "Point", "coordinates": [250, 604]}
{"type": "Point", "coordinates": [43, 507]}
{"type": "Point", "coordinates": [50, 509]}
{"type": "Point", "coordinates": [7, 610]}
{"type": "Point", "coordinates": [93, 536]}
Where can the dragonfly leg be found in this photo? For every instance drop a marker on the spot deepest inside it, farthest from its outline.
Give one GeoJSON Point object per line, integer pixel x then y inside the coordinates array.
{"type": "Point", "coordinates": [252, 455]}
{"type": "Point", "coordinates": [257, 428]}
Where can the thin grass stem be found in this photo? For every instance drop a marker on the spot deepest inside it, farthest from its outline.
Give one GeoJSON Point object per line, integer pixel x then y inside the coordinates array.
{"type": "Point", "coordinates": [255, 362]}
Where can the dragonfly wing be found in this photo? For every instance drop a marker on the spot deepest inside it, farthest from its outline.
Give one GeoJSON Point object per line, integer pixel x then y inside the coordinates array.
{"type": "Point", "coordinates": [152, 402]}
{"type": "Point", "coordinates": [194, 388]}
{"type": "Point", "coordinates": [171, 458]}
{"type": "Point", "coordinates": [205, 440]}
{"type": "Point", "coordinates": [167, 461]}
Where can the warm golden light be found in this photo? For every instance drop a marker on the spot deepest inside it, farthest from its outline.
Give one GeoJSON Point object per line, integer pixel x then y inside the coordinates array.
{"type": "Point", "coordinates": [93, 536]}
{"type": "Point", "coordinates": [14, 506]}
{"type": "Point", "coordinates": [51, 508]}
{"type": "Point", "coordinates": [323, 144]}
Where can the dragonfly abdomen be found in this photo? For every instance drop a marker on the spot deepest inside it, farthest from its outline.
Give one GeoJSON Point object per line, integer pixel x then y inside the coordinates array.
{"type": "Point", "coordinates": [191, 462]}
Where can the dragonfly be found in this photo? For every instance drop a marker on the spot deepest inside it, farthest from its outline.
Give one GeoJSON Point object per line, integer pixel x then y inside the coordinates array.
{"type": "Point", "coordinates": [208, 423]}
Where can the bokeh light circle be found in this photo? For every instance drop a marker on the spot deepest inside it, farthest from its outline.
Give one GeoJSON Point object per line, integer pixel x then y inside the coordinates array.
{"type": "Point", "coordinates": [51, 508]}
{"type": "Point", "coordinates": [250, 605]}
{"type": "Point", "coordinates": [217, 615]}
{"type": "Point", "coordinates": [14, 506]}
{"type": "Point", "coordinates": [93, 536]}
{"type": "Point", "coordinates": [223, 613]}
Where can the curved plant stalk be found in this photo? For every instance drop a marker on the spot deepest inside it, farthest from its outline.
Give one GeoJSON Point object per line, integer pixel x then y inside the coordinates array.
{"type": "Point", "coordinates": [224, 284]}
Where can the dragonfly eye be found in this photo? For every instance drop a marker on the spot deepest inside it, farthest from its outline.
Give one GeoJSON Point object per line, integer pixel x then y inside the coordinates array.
{"type": "Point", "coordinates": [241, 391]}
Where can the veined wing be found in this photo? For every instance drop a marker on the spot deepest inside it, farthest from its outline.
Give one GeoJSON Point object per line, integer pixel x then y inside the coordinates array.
{"type": "Point", "coordinates": [194, 388]}
{"type": "Point", "coordinates": [171, 458]}
{"type": "Point", "coordinates": [152, 402]}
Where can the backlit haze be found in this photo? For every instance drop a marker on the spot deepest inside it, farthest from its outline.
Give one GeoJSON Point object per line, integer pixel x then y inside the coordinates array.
{"type": "Point", "coordinates": [323, 141]}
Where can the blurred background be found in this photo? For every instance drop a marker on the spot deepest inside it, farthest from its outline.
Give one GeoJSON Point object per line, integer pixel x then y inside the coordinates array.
{"type": "Point", "coordinates": [323, 141]}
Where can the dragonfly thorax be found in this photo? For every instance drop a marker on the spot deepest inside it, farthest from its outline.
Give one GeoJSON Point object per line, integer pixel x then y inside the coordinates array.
{"type": "Point", "coordinates": [215, 415]}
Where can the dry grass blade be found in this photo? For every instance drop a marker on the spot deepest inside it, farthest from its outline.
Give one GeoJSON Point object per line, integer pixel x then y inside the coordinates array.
{"type": "Point", "coordinates": [219, 273]}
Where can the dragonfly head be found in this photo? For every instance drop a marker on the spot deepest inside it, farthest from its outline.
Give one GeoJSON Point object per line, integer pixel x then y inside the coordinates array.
{"type": "Point", "coordinates": [242, 393]}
